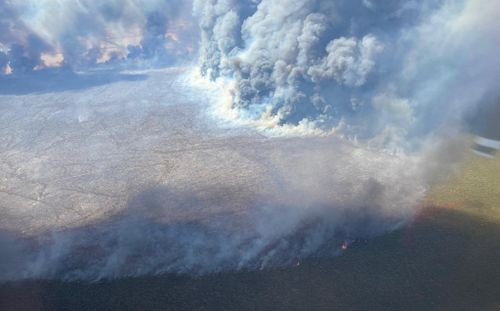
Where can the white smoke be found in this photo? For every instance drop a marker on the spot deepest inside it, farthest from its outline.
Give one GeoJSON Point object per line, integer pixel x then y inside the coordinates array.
{"type": "Point", "coordinates": [80, 34]}
{"type": "Point", "coordinates": [389, 71]}
{"type": "Point", "coordinates": [328, 195]}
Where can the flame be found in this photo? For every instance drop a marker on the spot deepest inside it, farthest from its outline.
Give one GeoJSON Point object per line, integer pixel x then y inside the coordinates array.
{"type": "Point", "coordinates": [7, 70]}
{"type": "Point", "coordinates": [116, 43]}
{"type": "Point", "coordinates": [52, 60]}
{"type": "Point", "coordinates": [109, 53]}
{"type": "Point", "coordinates": [172, 36]}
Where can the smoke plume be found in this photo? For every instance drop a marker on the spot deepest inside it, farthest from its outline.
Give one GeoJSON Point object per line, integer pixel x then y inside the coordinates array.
{"type": "Point", "coordinates": [326, 197]}
{"type": "Point", "coordinates": [82, 34]}
{"type": "Point", "coordinates": [387, 71]}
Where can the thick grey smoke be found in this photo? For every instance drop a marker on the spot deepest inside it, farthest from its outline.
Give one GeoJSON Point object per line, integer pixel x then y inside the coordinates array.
{"type": "Point", "coordinates": [389, 71]}
{"type": "Point", "coordinates": [80, 34]}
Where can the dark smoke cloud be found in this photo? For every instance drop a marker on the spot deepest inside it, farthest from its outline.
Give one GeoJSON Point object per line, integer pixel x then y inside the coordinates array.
{"type": "Point", "coordinates": [385, 70]}
{"type": "Point", "coordinates": [80, 34]}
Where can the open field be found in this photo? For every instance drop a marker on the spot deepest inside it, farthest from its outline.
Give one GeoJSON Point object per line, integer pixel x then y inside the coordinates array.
{"type": "Point", "coordinates": [446, 260]}
{"type": "Point", "coordinates": [134, 176]}
{"type": "Point", "coordinates": [475, 190]}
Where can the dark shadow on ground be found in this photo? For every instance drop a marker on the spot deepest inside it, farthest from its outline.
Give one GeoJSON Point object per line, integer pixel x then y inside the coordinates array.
{"type": "Point", "coordinates": [164, 231]}
{"type": "Point", "coordinates": [59, 80]}
{"type": "Point", "coordinates": [448, 261]}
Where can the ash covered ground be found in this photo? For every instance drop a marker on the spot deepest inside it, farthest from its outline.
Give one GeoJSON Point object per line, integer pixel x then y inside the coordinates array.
{"type": "Point", "coordinates": [134, 176]}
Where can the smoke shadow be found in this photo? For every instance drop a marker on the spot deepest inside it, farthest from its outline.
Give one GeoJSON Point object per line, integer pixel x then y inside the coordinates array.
{"type": "Point", "coordinates": [60, 80]}
{"type": "Point", "coordinates": [448, 261]}
{"type": "Point", "coordinates": [166, 231]}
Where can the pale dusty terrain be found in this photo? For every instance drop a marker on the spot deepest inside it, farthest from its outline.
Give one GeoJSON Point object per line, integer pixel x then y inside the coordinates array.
{"type": "Point", "coordinates": [71, 157]}
{"type": "Point", "coordinates": [131, 174]}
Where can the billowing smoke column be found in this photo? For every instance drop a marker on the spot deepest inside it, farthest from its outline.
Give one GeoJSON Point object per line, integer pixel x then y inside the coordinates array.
{"type": "Point", "coordinates": [80, 34]}
{"type": "Point", "coordinates": [387, 71]}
